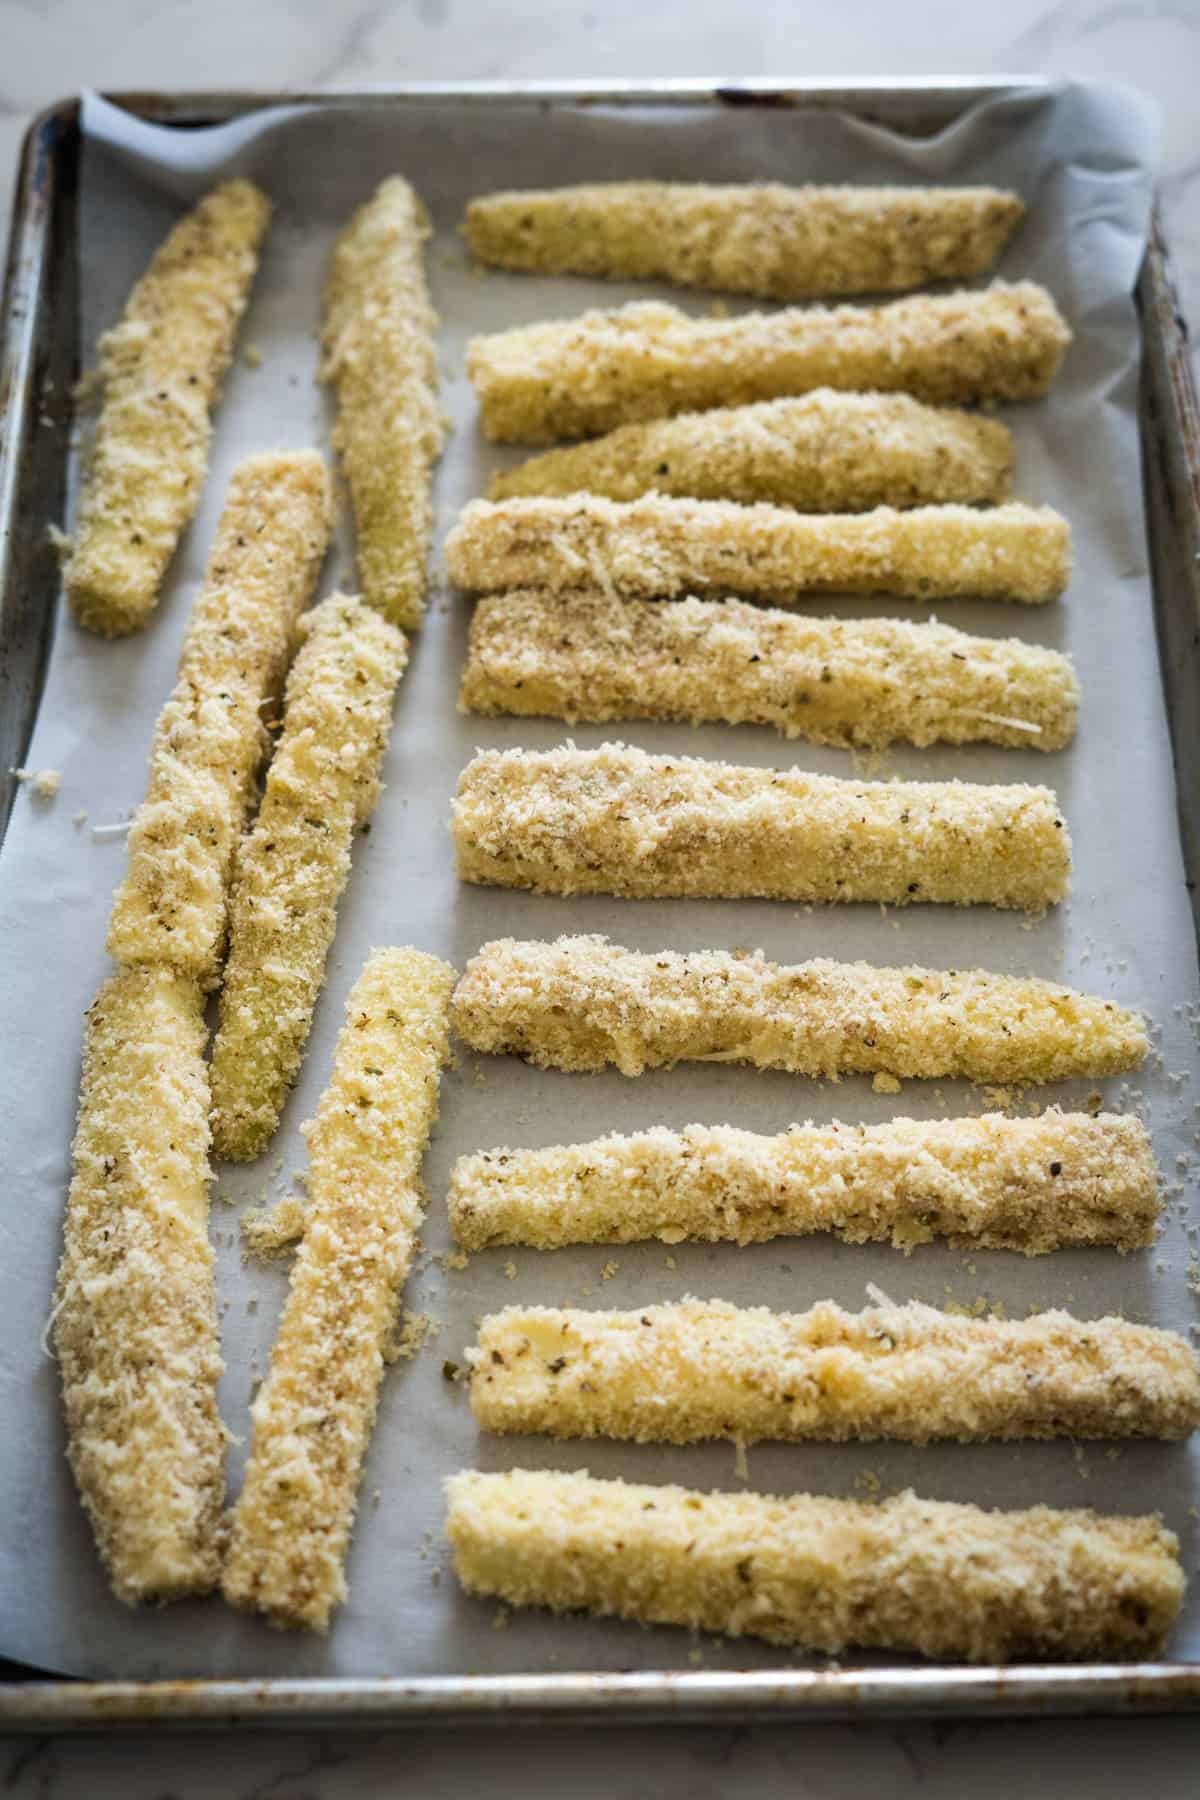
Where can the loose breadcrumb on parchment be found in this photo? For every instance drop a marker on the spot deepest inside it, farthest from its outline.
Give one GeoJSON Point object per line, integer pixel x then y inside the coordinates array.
{"type": "Point", "coordinates": [658, 548]}
{"type": "Point", "coordinates": [210, 738]}
{"type": "Point", "coordinates": [761, 238]}
{"type": "Point", "coordinates": [314, 1413]}
{"type": "Point", "coordinates": [323, 781]}
{"type": "Point", "coordinates": [409, 1336]}
{"type": "Point", "coordinates": [617, 821]}
{"type": "Point", "coordinates": [135, 1321]}
{"type": "Point", "coordinates": [945, 1580]}
{"type": "Point", "coordinates": [160, 372]}
{"type": "Point", "coordinates": [685, 1372]}
{"type": "Point", "coordinates": [1031, 1185]}
{"type": "Point", "coordinates": [378, 349]}
{"type": "Point", "coordinates": [572, 378]}
{"type": "Point", "coordinates": [44, 783]}
{"type": "Point", "coordinates": [272, 1231]}
{"type": "Point", "coordinates": [582, 1003]}
{"type": "Point", "coordinates": [819, 452]}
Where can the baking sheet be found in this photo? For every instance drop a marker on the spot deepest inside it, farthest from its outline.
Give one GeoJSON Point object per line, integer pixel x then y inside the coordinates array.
{"type": "Point", "coordinates": [1082, 155]}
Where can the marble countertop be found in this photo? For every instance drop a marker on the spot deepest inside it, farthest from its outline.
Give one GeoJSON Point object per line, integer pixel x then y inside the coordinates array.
{"type": "Point", "coordinates": [54, 47]}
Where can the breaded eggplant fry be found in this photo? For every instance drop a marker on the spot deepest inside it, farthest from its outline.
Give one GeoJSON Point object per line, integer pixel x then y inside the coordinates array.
{"type": "Point", "coordinates": [697, 1369]}
{"type": "Point", "coordinates": [945, 1580]}
{"type": "Point", "coordinates": [161, 371]}
{"type": "Point", "coordinates": [211, 737]}
{"type": "Point", "coordinates": [776, 242]}
{"type": "Point", "coordinates": [821, 452]}
{"type": "Point", "coordinates": [135, 1317]}
{"type": "Point", "coordinates": [583, 1003]}
{"type": "Point", "coordinates": [862, 683]}
{"type": "Point", "coordinates": [378, 348]}
{"type": "Point", "coordinates": [657, 548]}
{"type": "Point", "coordinates": [314, 1414]}
{"type": "Point", "coordinates": [323, 782]}
{"type": "Point", "coordinates": [574, 378]}
{"type": "Point", "coordinates": [1032, 1185]}
{"type": "Point", "coordinates": [617, 821]}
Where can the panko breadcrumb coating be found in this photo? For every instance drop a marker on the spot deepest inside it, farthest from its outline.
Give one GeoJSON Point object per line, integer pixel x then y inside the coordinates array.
{"type": "Point", "coordinates": [160, 372]}
{"type": "Point", "coordinates": [681, 1373]}
{"type": "Point", "coordinates": [617, 821]}
{"type": "Point", "coordinates": [1031, 1185]}
{"type": "Point", "coordinates": [573, 378]}
{"type": "Point", "coordinates": [379, 350]}
{"type": "Point", "coordinates": [583, 1003]}
{"type": "Point", "coordinates": [820, 452]}
{"type": "Point", "coordinates": [323, 782]}
{"type": "Point", "coordinates": [135, 1318]}
{"type": "Point", "coordinates": [314, 1414]}
{"type": "Point", "coordinates": [762, 238]}
{"type": "Point", "coordinates": [657, 548]}
{"type": "Point", "coordinates": [211, 738]}
{"type": "Point", "coordinates": [862, 683]}
{"type": "Point", "coordinates": [821, 1574]}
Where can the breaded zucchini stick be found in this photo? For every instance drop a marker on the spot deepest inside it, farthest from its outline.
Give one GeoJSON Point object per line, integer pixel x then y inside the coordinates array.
{"type": "Point", "coordinates": [820, 1574]}
{"type": "Point", "coordinates": [762, 238]}
{"type": "Point", "coordinates": [576, 377]}
{"type": "Point", "coordinates": [656, 548]}
{"type": "Point", "coordinates": [1032, 1185]}
{"type": "Point", "coordinates": [583, 1003]}
{"type": "Point", "coordinates": [211, 737]}
{"type": "Point", "coordinates": [617, 821]}
{"type": "Point", "coordinates": [161, 371]}
{"type": "Point", "coordinates": [323, 782]}
{"type": "Point", "coordinates": [864, 683]}
{"type": "Point", "coordinates": [821, 452]}
{"type": "Point", "coordinates": [378, 348]}
{"type": "Point", "coordinates": [681, 1373]}
{"type": "Point", "coordinates": [314, 1414]}
{"type": "Point", "coordinates": [135, 1318]}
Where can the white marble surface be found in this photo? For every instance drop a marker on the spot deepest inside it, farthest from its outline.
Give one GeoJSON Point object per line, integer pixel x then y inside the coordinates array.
{"type": "Point", "coordinates": [53, 47]}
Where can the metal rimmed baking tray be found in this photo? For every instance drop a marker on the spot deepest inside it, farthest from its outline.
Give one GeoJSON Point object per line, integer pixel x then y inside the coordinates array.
{"type": "Point", "coordinates": [43, 348]}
